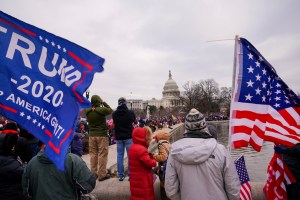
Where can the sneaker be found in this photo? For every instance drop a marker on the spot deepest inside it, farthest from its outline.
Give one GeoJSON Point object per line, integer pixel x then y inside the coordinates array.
{"type": "Point", "coordinates": [121, 178]}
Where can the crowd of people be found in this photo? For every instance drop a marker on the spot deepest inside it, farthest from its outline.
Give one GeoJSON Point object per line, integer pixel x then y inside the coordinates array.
{"type": "Point", "coordinates": [194, 167]}
{"type": "Point", "coordinates": [27, 173]}
{"type": "Point", "coordinates": [23, 155]}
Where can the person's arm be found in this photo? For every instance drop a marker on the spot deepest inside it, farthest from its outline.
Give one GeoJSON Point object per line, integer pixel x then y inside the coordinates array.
{"type": "Point", "coordinates": [231, 179]}
{"type": "Point", "coordinates": [162, 153]}
{"type": "Point", "coordinates": [85, 179]}
{"type": "Point", "coordinates": [293, 151]}
{"type": "Point", "coordinates": [25, 183]}
{"type": "Point", "coordinates": [147, 160]}
{"type": "Point", "coordinates": [105, 110]}
{"type": "Point", "coordinates": [172, 185]}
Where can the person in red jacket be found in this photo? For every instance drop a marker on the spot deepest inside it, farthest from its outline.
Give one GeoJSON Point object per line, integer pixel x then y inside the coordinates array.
{"type": "Point", "coordinates": [141, 163]}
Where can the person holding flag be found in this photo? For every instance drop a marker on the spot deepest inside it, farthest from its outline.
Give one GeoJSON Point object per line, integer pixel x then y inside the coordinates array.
{"type": "Point", "coordinates": [42, 180]}
{"type": "Point", "coordinates": [291, 157]}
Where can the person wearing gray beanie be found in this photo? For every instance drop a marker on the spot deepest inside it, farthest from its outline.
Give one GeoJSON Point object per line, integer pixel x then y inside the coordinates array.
{"type": "Point", "coordinates": [198, 166]}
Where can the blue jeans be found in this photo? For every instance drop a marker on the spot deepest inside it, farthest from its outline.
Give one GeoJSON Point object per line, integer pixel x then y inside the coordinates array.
{"type": "Point", "coordinates": [121, 145]}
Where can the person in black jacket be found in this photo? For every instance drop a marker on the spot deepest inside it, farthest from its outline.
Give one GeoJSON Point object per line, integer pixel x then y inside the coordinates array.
{"type": "Point", "coordinates": [291, 157]}
{"type": "Point", "coordinates": [123, 119]}
{"type": "Point", "coordinates": [11, 169]}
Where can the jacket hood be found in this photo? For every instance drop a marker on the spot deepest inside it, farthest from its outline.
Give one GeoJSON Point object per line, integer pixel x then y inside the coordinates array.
{"type": "Point", "coordinates": [193, 151]}
{"type": "Point", "coordinates": [76, 136]}
{"type": "Point", "coordinates": [122, 110]}
{"type": "Point", "coordinates": [139, 136]}
{"type": "Point", "coordinates": [163, 135]}
{"type": "Point", "coordinates": [95, 100]}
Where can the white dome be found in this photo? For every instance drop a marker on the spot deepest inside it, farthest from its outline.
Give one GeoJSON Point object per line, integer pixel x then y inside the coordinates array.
{"type": "Point", "coordinates": [171, 87]}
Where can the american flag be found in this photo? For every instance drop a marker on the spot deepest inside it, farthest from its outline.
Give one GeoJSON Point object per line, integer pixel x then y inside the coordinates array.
{"type": "Point", "coordinates": [278, 176]}
{"type": "Point", "coordinates": [263, 107]}
{"type": "Point", "coordinates": [245, 192]}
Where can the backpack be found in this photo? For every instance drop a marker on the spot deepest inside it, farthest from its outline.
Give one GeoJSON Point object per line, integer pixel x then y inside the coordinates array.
{"type": "Point", "coordinates": [162, 165]}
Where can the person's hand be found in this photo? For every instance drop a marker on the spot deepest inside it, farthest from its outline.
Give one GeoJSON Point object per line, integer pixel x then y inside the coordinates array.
{"type": "Point", "coordinates": [280, 149]}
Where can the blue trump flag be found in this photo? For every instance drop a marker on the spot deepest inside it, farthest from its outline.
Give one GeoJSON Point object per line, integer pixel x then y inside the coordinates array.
{"type": "Point", "coordinates": [43, 78]}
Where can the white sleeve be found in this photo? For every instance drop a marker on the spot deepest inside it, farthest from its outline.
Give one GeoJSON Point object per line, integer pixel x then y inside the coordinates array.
{"type": "Point", "coordinates": [172, 185]}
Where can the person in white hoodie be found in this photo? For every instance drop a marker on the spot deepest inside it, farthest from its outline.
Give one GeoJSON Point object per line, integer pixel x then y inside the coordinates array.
{"type": "Point", "coordinates": [199, 168]}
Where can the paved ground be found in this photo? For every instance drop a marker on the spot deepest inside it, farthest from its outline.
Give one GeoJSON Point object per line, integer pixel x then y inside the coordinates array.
{"type": "Point", "coordinates": [113, 189]}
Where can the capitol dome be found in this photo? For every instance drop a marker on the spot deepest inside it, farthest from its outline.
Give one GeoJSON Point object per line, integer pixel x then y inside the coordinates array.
{"type": "Point", "coordinates": [171, 88]}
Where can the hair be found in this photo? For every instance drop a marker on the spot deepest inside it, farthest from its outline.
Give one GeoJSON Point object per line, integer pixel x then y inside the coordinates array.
{"type": "Point", "coordinates": [148, 134]}
{"type": "Point", "coordinates": [8, 142]}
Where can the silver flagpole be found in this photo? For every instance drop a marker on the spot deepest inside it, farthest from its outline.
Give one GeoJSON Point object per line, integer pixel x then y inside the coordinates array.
{"type": "Point", "coordinates": [232, 89]}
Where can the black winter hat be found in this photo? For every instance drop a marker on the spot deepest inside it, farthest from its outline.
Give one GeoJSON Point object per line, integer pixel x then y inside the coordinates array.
{"type": "Point", "coordinates": [121, 101]}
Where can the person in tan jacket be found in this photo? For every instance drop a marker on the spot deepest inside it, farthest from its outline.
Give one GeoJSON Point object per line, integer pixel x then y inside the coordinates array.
{"type": "Point", "coordinates": [162, 137]}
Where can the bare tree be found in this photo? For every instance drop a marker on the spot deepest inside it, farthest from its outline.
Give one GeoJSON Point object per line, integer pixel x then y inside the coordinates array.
{"type": "Point", "coordinates": [190, 95]}
{"type": "Point", "coordinates": [225, 97]}
{"type": "Point", "coordinates": [209, 95]}
{"type": "Point", "coordinates": [202, 96]}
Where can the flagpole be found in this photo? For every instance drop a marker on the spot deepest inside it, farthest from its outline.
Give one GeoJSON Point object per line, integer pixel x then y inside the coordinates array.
{"type": "Point", "coordinates": [232, 89]}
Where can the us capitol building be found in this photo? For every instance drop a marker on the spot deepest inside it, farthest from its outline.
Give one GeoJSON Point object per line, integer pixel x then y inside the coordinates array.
{"type": "Point", "coordinates": [170, 97]}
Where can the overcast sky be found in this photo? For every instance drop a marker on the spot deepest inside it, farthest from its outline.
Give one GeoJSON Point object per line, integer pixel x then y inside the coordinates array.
{"type": "Point", "coordinates": [141, 40]}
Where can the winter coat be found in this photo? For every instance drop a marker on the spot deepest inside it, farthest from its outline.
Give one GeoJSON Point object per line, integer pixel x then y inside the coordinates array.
{"type": "Point", "coordinates": [123, 120]}
{"type": "Point", "coordinates": [164, 146]}
{"type": "Point", "coordinates": [42, 180]}
{"type": "Point", "coordinates": [291, 158]}
{"type": "Point", "coordinates": [201, 169]}
{"type": "Point", "coordinates": [96, 117]}
{"type": "Point", "coordinates": [141, 177]}
{"type": "Point", "coordinates": [11, 169]}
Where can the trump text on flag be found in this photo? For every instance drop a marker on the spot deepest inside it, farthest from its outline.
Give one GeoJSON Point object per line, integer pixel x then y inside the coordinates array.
{"type": "Point", "coordinates": [43, 77]}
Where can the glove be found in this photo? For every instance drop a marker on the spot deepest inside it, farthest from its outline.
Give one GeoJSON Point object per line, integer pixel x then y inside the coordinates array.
{"type": "Point", "coordinates": [280, 149]}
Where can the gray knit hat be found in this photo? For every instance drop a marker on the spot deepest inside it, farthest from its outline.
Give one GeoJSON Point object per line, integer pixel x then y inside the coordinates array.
{"type": "Point", "coordinates": [194, 121]}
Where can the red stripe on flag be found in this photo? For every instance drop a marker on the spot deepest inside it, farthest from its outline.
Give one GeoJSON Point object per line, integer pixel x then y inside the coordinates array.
{"type": "Point", "coordinates": [278, 176]}
{"type": "Point", "coordinates": [17, 27]}
{"type": "Point", "coordinates": [75, 85]}
{"type": "Point", "coordinates": [8, 108]}
{"type": "Point", "coordinates": [288, 118]}
{"type": "Point", "coordinates": [246, 191]}
{"type": "Point", "coordinates": [83, 63]}
{"type": "Point", "coordinates": [57, 149]}
{"type": "Point", "coordinates": [271, 124]}
{"type": "Point", "coordinates": [297, 110]}
{"type": "Point", "coordinates": [48, 133]}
